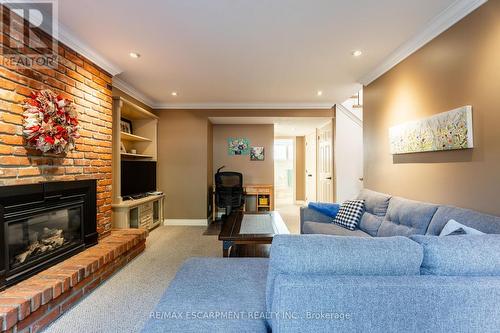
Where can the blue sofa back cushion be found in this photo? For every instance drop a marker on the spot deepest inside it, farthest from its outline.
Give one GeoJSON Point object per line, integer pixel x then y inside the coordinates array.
{"type": "Point", "coordinates": [406, 217]}
{"type": "Point", "coordinates": [488, 224]}
{"type": "Point", "coordinates": [462, 255]}
{"type": "Point", "coordinates": [376, 205]}
{"type": "Point", "coordinates": [341, 255]}
{"type": "Point", "coordinates": [328, 209]}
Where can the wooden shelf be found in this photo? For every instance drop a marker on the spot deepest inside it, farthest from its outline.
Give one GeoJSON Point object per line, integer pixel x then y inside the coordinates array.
{"type": "Point", "coordinates": [135, 155]}
{"type": "Point", "coordinates": [133, 111]}
{"type": "Point", "coordinates": [133, 137]}
{"type": "Point", "coordinates": [137, 202]}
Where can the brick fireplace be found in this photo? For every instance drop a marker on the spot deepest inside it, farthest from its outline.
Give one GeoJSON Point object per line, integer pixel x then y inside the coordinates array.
{"type": "Point", "coordinates": [43, 293]}
{"type": "Point", "coordinates": [88, 86]}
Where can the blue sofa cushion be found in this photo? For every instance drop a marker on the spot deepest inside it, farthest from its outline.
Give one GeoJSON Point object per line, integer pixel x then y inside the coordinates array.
{"type": "Point", "coordinates": [375, 209]}
{"type": "Point", "coordinates": [336, 255]}
{"type": "Point", "coordinates": [488, 224]}
{"type": "Point", "coordinates": [307, 214]}
{"type": "Point", "coordinates": [381, 304]}
{"type": "Point", "coordinates": [470, 255]}
{"type": "Point", "coordinates": [205, 286]}
{"type": "Point", "coordinates": [328, 209]}
{"type": "Point", "coordinates": [406, 217]}
{"type": "Point", "coordinates": [330, 229]}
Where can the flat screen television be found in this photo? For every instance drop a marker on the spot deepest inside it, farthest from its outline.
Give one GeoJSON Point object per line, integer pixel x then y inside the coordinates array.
{"type": "Point", "coordinates": [138, 177]}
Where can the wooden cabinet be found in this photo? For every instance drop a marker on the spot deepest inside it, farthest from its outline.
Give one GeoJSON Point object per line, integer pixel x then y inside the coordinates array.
{"type": "Point", "coordinates": [258, 198]}
{"type": "Point", "coordinates": [263, 196]}
{"type": "Point", "coordinates": [145, 213]}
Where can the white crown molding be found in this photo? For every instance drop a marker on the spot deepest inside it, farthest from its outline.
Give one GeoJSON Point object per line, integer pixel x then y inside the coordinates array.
{"type": "Point", "coordinates": [128, 89]}
{"type": "Point", "coordinates": [447, 18]}
{"type": "Point", "coordinates": [70, 40]}
{"type": "Point", "coordinates": [284, 106]}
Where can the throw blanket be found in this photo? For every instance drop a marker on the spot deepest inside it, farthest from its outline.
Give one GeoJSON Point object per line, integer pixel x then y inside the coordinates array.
{"type": "Point", "coordinates": [327, 209]}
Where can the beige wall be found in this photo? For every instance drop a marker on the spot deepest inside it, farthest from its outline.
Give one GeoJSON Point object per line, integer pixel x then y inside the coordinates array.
{"type": "Point", "coordinates": [254, 172]}
{"type": "Point", "coordinates": [460, 67]}
{"type": "Point", "coordinates": [184, 155]}
{"type": "Point", "coordinates": [300, 168]}
{"type": "Point", "coordinates": [182, 163]}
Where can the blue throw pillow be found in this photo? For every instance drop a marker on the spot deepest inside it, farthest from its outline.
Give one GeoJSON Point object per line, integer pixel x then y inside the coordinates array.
{"type": "Point", "coordinates": [327, 209]}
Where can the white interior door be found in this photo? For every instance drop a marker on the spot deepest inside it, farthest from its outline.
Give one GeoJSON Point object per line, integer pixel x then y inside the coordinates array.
{"type": "Point", "coordinates": [325, 164]}
{"type": "Point", "coordinates": [311, 167]}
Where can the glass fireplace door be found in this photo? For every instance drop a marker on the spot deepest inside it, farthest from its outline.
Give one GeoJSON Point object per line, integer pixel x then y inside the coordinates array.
{"type": "Point", "coordinates": [43, 234]}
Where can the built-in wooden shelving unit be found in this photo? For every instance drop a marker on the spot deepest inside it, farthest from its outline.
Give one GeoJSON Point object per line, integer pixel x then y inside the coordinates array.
{"type": "Point", "coordinates": [146, 212]}
{"type": "Point", "coordinates": [143, 140]}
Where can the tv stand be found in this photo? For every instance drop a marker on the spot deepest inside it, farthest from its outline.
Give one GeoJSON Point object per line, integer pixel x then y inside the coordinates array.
{"type": "Point", "coordinates": [144, 213]}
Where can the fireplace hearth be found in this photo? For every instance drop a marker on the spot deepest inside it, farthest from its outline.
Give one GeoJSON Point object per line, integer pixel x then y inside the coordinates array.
{"type": "Point", "coordinates": [43, 224]}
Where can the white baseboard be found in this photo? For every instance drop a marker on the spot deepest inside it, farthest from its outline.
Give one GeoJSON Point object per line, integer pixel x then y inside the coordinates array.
{"type": "Point", "coordinates": [186, 222]}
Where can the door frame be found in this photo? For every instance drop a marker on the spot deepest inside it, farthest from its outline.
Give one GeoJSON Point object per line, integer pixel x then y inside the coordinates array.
{"type": "Point", "coordinates": [315, 180]}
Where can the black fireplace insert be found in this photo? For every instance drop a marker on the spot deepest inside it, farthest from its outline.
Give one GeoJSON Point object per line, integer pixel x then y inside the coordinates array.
{"type": "Point", "coordinates": [43, 224]}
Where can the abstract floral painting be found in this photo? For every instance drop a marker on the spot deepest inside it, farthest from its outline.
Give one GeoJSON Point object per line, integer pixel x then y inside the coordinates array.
{"type": "Point", "coordinates": [238, 146]}
{"type": "Point", "coordinates": [445, 131]}
{"type": "Point", "coordinates": [257, 154]}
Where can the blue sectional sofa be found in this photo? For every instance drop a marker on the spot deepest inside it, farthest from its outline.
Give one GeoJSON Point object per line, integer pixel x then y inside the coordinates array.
{"type": "Point", "coordinates": [331, 283]}
{"type": "Point", "coordinates": [387, 216]}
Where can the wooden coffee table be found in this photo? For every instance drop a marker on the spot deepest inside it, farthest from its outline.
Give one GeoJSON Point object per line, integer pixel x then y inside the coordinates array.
{"type": "Point", "coordinates": [234, 233]}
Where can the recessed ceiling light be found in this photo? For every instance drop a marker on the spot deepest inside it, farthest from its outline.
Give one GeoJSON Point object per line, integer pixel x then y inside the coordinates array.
{"type": "Point", "coordinates": [134, 55]}
{"type": "Point", "coordinates": [319, 93]}
{"type": "Point", "coordinates": [174, 93]}
{"type": "Point", "coordinates": [357, 53]}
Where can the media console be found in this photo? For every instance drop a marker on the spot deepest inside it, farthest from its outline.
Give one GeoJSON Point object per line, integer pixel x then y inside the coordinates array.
{"type": "Point", "coordinates": [144, 213]}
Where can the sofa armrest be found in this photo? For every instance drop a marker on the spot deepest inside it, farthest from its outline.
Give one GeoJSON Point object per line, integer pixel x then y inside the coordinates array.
{"type": "Point", "coordinates": [385, 304]}
{"type": "Point", "coordinates": [308, 214]}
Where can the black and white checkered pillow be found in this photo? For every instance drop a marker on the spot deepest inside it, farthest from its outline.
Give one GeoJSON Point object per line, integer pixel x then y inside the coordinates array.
{"type": "Point", "coordinates": [350, 214]}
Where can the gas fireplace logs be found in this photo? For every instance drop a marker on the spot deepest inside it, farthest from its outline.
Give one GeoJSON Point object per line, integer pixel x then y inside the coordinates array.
{"type": "Point", "coordinates": [50, 240]}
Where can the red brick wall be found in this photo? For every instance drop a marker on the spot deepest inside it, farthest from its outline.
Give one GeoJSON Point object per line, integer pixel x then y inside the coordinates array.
{"type": "Point", "coordinates": [88, 86]}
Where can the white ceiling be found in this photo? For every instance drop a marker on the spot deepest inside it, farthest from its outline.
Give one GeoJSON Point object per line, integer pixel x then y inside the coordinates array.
{"type": "Point", "coordinates": [269, 53]}
{"type": "Point", "coordinates": [283, 126]}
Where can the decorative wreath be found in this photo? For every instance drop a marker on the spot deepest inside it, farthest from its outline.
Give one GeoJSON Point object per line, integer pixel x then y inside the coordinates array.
{"type": "Point", "coordinates": [50, 122]}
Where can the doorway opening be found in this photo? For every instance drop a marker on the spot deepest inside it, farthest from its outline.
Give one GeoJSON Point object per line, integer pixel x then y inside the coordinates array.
{"type": "Point", "coordinates": [284, 171]}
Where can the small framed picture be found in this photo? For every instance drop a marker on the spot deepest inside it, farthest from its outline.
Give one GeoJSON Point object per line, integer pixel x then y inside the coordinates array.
{"type": "Point", "coordinates": [122, 147]}
{"type": "Point", "coordinates": [126, 125]}
{"type": "Point", "coordinates": [257, 154]}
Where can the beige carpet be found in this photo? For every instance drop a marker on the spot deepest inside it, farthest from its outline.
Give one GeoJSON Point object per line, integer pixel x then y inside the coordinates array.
{"type": "Point", "coordinates": [291, 216]}
{"type": "Point", "coordinates": [124, 302]}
